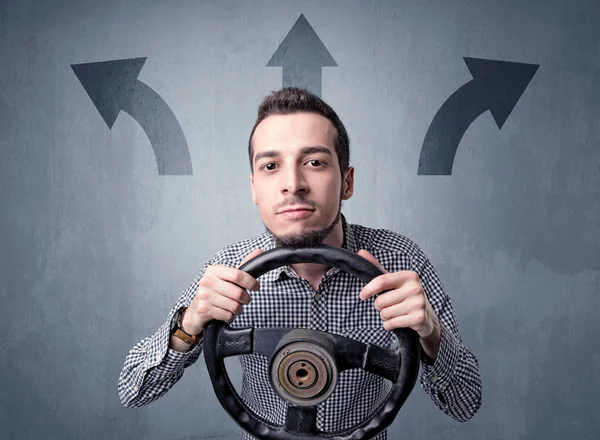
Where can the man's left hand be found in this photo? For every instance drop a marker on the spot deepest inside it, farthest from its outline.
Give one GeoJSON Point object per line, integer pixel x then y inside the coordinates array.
{"type": "Point", "coordinates": [403, 303]}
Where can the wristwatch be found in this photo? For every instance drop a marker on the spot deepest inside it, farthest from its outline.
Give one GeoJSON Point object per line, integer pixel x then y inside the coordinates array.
{"type": "Point", "coordinates": [178, 332]}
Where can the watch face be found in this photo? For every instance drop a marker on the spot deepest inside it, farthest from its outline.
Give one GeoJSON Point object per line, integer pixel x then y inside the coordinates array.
{"type": "Point", "coordinates": [174, 321]}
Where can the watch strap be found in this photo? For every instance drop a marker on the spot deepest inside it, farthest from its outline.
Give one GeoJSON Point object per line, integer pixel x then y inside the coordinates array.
{"type": "Point", "coordinates": [179, 333]}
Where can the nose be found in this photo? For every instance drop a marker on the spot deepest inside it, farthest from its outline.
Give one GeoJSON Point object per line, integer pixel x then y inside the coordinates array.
{"type": "Point", "coordinates": [293, 182]}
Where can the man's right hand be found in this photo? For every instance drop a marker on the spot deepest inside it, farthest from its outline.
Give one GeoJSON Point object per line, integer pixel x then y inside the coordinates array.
{"type": "Point", "coordinates": [221, 295]}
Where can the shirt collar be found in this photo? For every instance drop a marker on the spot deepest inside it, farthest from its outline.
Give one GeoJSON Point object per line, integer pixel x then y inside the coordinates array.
{"type": "Point", "coordinates": [350, 243]}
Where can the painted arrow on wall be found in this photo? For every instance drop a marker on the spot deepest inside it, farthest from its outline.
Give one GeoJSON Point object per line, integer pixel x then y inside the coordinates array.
{"type": "Point", "coordinates": [113, 86]}
{"type": "Point", "coordinates": [496, 86]}
{"type": "Point", "coordinates": [302, 55]}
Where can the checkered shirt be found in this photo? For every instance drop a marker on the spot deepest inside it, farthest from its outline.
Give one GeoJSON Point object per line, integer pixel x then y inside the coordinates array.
{"type": "Point", "coordinates": [453, 382]}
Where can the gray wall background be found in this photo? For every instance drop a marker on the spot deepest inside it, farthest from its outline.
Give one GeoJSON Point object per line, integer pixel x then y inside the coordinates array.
{"type": "Point", "coordinates": [95, 246]}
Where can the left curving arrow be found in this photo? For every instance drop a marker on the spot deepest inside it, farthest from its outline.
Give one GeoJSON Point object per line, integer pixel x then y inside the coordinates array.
{"type": "Point", "coordinates": [114, 86]}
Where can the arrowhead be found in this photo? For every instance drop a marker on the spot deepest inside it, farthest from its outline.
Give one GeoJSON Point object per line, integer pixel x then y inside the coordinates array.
{"type": "Point", "coordinates": [301, 46]}
{"type": "Point", "coordinates": [504, 82]}
{"type": "Point", "coordinates": [108, 83]}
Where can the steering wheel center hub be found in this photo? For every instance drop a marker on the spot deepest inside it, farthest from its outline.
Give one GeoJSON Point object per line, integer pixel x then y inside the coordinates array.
{"type": "Point", "coordinates": [303, 372]}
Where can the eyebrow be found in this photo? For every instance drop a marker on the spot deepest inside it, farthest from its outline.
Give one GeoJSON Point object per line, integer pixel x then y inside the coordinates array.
{"type": "Point", "coordinates": [303, 151]}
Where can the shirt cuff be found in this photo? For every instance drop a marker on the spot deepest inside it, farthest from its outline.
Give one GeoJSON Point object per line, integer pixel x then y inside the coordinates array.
{"type": "Point", "coordinates": [163, 360]}
{"type": "Point", "coordinates": [436, 377]}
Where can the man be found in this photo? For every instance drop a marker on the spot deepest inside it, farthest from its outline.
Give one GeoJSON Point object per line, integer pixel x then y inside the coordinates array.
{"type": "Point", "coordinates": [300, 173]}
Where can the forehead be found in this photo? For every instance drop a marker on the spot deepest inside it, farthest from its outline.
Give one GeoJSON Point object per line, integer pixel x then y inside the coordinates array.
{"type": "Point", "coordinates": [288, 133]}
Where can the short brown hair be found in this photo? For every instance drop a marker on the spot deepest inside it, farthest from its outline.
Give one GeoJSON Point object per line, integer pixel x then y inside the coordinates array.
{"type": "Point", "coordinates": [290, 100]}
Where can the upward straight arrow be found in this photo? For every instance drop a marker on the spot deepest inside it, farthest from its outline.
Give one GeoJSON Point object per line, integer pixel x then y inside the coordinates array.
{"type": "Point", "coordinates": [301, 55]}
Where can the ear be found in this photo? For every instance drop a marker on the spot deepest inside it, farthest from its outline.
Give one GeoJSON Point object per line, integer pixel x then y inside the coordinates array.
{"type": "Point", "coordinates": [348, 184]}
{"type": "Point", "coordinates": [252, 190]}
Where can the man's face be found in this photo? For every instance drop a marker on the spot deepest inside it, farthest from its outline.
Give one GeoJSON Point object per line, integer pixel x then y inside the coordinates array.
{"type": "Point", "coordinates": [296, 181]}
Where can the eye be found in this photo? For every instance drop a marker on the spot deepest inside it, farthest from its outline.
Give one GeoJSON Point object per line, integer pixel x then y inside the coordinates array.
{"type": "Point", "coordinates": [270, 166]}
{"type": "Point", "coordinates": [315, 163]}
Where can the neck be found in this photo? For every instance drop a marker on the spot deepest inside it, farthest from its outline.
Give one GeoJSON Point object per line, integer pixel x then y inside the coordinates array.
{"type": "Point", "coordinates": [313, 272]}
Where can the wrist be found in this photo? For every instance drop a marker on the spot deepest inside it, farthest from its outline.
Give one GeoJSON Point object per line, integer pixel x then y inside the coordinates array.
{"type": "Point", "coordinates": [187, 326]}
{"type": "Point", "coordinates": [190, 337]}
{"type": "Point", "coordinates": [431, 343]}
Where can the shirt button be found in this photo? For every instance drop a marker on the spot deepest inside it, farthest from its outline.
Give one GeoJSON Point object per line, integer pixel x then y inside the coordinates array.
{"type": "Point", "coordinates": [318, 296]}
{"type": "Point", "coordinates": [434, 379]}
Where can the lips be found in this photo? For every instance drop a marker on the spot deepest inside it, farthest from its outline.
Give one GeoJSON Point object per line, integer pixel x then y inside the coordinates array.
{"type": "Point", "coordinates": [297, 208]}
{"type": "Point", "coordinates": [296, 212]}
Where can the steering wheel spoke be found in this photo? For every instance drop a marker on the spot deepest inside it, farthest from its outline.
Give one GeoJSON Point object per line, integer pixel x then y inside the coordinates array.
{"type": "Point", "coordinates": [384, 362]}
{"type": "Point", "coordinates": [266, 339]}
{"type": "Point", "coordinates": [235, 342]}
{"type": "Point", "coordinates": [350, 352]}
{"type": "Point", "coordinates": [301, 420]}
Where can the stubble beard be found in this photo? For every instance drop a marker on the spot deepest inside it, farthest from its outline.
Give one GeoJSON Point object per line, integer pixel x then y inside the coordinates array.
{"type": "Point", "coordinates": [306, 239]}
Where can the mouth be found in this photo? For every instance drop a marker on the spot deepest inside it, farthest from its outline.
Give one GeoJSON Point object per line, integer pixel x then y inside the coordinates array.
{"type": "Point", "coordinates": [296, 212]}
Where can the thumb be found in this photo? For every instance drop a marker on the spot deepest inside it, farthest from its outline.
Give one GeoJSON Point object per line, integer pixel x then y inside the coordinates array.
{"type": "Point", "coordinates": [371, 259]}
{"type": "Point", "coordinates": [251, 255]}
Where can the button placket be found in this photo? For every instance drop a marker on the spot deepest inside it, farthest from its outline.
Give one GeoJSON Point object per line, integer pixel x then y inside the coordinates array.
{"type": "Point", "coordinates": [318, 310]}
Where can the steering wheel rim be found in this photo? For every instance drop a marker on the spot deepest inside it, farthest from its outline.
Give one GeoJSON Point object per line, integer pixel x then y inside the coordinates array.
{"type": "Point", "coordinates": [221, 341]}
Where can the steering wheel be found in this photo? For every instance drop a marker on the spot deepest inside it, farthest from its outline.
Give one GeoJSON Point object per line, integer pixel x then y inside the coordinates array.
{"type": "Point", "coordinates": [304, 363]}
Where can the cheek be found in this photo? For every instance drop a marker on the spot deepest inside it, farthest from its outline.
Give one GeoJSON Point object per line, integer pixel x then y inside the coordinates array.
{"type": "Point", "coordinates": [259, 191]}
{"type": "Point", "coordinates": [334, 189]}
{"type": "Point", "coordinates": [263, 199]}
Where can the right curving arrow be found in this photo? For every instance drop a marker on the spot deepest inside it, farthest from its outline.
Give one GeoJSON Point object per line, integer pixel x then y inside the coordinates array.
{"type": "Point", "coordinates": [496, 86]}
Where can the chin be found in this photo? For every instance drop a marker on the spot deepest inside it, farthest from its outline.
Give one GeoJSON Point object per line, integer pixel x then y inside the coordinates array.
{"type": "Point", "coordinates": [304, 239]}
{"type": "Point", "coordinates": [302, 234]}
{"type": "Point", "coordinates": [300, 226]}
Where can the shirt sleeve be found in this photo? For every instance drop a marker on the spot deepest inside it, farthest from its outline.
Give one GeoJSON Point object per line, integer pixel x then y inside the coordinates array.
{"type": "Point", "coordinates": [453, 381]}
{"type": "Point", "coordinates": [151, 368]}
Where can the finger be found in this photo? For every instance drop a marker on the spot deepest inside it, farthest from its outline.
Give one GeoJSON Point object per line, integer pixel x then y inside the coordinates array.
{"type": "Point", "coordinates": [250, 256]}
{"type": "Point", "coordinates": [406, 292]}
{"type": "Point", "coordinates": [405, 307]}
{"type": "Point", "coordinates": [404, 321]}
{"type": "Point", "coordinates": [222, 315]}
{"type": "Point", "coordinates": [380, 284]}
{"type": "Point", "coordinates": [389, 281]}
{"type": "Point", "coordinates": [227, 304]}
{"type": "Point", "coordinates": [367, 256]}
{"type": "Point", "coordinates": [235, 276]}
{"type": "Point", "coordinates": [221, 287]}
